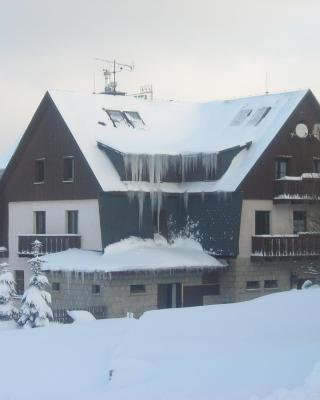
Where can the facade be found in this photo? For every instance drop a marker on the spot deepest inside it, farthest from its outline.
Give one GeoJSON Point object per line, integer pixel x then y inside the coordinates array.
{"type": "Point", "coordinates": [242, 176]}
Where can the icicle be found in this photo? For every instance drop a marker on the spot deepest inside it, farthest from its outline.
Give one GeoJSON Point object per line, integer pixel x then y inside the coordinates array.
{"type": "Point", "coordinates": [202, 196]}
{"type": "Point", "coordinates": [159, 204]}
{"type": "Point", "coordinates": [68, 276]}
{"type": "Point", "coordinates": [141, 196]}
{"type": "Point", "coordinates": [186, 200]}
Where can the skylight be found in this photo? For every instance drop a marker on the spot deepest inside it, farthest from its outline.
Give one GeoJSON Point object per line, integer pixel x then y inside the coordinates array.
{"type": "Point", "coordinates": [117, 118]}
{"type": "Point", "coordinates": [241, 116]}
{"type": "Point", "coordinates": [134, 119]}
{"type": "Point", "coordinates": [259, 115]}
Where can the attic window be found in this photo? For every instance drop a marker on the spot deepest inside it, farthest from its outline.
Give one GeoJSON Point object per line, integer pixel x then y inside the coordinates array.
{"type": "Point", "coordinates": [117, 118]}
{"type": "Point", "coordinates": [134, 119]}
{"type": "Point", "coordinates": [259, 115]}
{"type": "Point", "coordinates": [241, 116]}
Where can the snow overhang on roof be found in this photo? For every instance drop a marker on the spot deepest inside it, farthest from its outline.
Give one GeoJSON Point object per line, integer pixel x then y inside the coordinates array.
{"type": "Point", "coordinates": [173, 128]}
{"type": "Point", "coordinates": [135, 254]}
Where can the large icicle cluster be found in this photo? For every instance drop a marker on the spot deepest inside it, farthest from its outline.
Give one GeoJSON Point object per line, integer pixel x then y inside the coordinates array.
{"type": "Point", "coordinates": [7, 291]}
{"type": "Point", "coordinates": [36, 301]}
{"type": "Point", "coordinates": [154, 168]}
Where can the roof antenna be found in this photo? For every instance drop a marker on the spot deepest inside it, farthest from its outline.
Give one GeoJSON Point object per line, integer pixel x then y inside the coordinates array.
{"type": "Point", "coordinates": [113, 68]}
{"type": "Point", "coordinates": [266, 83]}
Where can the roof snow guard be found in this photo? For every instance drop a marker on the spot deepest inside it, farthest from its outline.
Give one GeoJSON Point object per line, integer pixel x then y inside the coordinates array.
{"type": "Point", "coordinates": [156, 168]}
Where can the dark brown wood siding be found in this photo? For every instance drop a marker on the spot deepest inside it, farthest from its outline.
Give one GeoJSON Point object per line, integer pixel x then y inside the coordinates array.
{"type": "Point", "coordinates": [259, 183]}
{"type": "Point", "coordinates": [48, 137]}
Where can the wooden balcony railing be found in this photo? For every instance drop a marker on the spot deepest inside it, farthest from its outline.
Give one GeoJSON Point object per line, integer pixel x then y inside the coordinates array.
{"type": "Point", "coordinates": [306, 187]}
{"type": "Point", "coordinates": [50, 243]}
{"type": "Point", "coordinates": [286, 246]}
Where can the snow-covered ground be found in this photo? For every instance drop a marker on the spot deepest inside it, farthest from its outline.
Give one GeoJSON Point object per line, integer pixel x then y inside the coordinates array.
{"type": "Point", "coordinates": [265, 349]}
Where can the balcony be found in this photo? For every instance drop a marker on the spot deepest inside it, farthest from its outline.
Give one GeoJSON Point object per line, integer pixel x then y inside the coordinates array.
{"type": "Point", "coordinates": [3, 252]}
{"type": "Point", "coordinates": [302, 245]}
{"type": "Point", "coordinates": [297, 189]}
{"type": "Point", "coordinates": [50, 243]}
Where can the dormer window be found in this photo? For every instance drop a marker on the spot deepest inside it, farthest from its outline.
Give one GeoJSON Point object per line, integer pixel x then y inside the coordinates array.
{"type": "Point", "coordinates": [39, 170]}
{"type": "Point", "coordinates": [68, 169]}
{"type": "Point", "coordinates": [241, 116]}
{"type": "Point", "coordinates": [124, 118]}
{"type": "Point", "coordinates": [134, 119]}
{"type": "Point", "coordinates": [258, 116]}
{"type": "Point", "coordinates": [117, 118]}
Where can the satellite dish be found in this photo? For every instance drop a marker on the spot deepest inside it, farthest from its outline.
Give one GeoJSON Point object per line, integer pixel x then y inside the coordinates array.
{"type": "Point", "coordinates": [301, 130]}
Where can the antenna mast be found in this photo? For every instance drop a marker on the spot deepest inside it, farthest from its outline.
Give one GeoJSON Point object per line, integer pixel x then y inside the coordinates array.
{"type": "Point", "coordinates": [111, 84]}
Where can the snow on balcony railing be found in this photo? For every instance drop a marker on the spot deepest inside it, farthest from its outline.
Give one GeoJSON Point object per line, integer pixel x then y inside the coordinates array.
{"type": "Point", "coordinates": [51, 243]}
{"type": "Point", "coordinates": [302, 245]}
{"type": "Point", "coordinates": [304, 187]}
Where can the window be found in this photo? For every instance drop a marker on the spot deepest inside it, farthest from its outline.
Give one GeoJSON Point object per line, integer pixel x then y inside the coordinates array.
{"type": "Point", "coordinates": [68, 169]}
{"type": "Point", "coordinates": [241, 116]}
{"type": "Point", "coordinates": [253, 285]}
{"type": "Point", "coordinates": [72, 221]}
{"type": "Point", "coordinates": [134, 119]}
{"type": "Point", "coordinates": [134, 289]}
{"type": "Point", "coordinates": [39, 171]}
{"type": "Point", "coordinates": [299, 221]}
{"type": "Point", "coordinates": [40, 222]}
{"type": "Point", "coordinates": [55, 286]}
{"type": "Point", "coordinates": [262, 223]}
{"type": "Point", "coordinates": [316, 165]}
{"type": "Point", "coordinates": [281, 168]}
{"type": "Point", "coordinates": [259, 115]}
{"type": "Point", "coordinates": [271, 284]}
{"type": "Point", "coordinates": [117, 118]}
{"type": "Point", "coordinates": [95, 289]}
{"type": "Point", "coordinates": [19, 277]}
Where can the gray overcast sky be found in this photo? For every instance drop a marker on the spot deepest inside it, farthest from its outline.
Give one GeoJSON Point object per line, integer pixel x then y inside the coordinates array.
{"type": "Point", "coordinates": [189, 50]}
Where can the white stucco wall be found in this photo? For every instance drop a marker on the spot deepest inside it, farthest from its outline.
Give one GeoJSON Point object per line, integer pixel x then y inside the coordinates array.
{"type": "Point", "coordinates": [281, 220]}
{"type": "Point", "coordinates": [21, 221]}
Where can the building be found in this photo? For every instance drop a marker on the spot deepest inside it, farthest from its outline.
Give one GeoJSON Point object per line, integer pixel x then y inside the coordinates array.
{"type": "Point", "coordinates": [242, 176]}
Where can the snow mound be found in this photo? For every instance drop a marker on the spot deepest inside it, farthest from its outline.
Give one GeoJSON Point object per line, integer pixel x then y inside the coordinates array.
{"type": "Point", "coordinates": [80, 316]}
{"type": "Point", "coordinates": [135, 253]}
{"type": "Point", "coordinates": [265, 349]}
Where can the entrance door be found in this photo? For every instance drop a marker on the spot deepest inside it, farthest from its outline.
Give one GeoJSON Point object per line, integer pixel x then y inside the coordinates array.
{"type": "Point", "coordinates": [169, 295]}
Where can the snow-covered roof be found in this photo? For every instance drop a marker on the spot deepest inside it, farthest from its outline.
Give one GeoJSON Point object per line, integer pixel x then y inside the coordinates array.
{"type": "Point", "coordinates": [175, 128]}
{"type": "Point", "coordinates": [134, 254]}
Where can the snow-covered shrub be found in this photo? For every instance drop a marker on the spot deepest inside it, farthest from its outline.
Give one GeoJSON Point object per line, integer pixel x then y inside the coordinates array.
{"type": "Point", "coordinates": [7, 290]}
{"type": "Point", "coordinates": [36, 301]}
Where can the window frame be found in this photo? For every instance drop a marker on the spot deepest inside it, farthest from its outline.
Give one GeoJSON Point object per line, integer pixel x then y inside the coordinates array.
{"type": "Point", "coordinates": [93, 291]}
{"type": "Point", "coordinates": [69, 222]}
{"type": "Point", "coordinates": [266, 212]}
{"type": "Point", "coordinates": [257, 287]}
{"type": "Point", "coordinates": [277, 169]}
{"type": "Point", "coordinates": [35, 220]}
{"type": "Point", "coordinates": [316, 165]}
{"type": "Point", "coordinates": [55, 286]}
{"type": "Point", "coordinates": [20, 287]}
{"type": "Point", "coordinates": [267, 287]}
{"type": "Point", "coordinates": [142, 288]}
{"type": "Point", "coordinates": [64, 179]}
{"type": "Point", "coordinates": [304, 219]}
{"type": "Point", "coordinates": [37, 161]}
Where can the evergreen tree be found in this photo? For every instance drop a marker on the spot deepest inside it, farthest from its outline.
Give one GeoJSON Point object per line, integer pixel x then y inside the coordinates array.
{"type": "Point", "coordinates": [7, 290]}
{"type": "Point", "coordinates": [36, 301]}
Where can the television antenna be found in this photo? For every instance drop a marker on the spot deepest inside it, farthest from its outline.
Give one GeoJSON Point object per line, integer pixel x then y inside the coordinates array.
{"type": "Point", "coordinates": [112, 68]}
